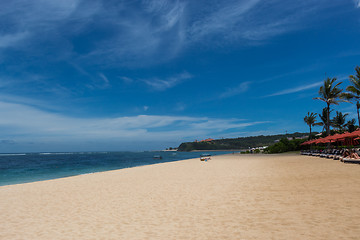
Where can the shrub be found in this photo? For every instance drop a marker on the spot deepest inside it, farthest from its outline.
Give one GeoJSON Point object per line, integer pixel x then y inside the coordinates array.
{"type": "Point", "coordinates": [285, 145]}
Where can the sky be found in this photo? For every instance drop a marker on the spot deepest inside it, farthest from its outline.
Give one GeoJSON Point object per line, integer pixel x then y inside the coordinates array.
{"type": "Point", "coordinates": [106, 75]}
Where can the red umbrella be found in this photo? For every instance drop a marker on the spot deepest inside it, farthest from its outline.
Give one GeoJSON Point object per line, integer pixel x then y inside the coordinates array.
{"type": "Point", "coordinates": [308, 142]}
{"type": "Point", "coordinates": [347, 137]}
{"type": "Point", "coordinates": [333, 137]}
{"type": "Point", "coordinates": [325, 139]}
{"type": "Point", "coordinates": [350, 135]}
{"type": "Point", "coordinates": [316, 141]}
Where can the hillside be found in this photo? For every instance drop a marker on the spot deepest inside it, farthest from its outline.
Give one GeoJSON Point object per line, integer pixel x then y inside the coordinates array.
{"type": "Point", "coordinates": [237, 143]}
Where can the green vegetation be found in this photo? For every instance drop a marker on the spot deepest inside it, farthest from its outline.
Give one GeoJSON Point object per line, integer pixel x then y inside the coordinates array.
{"type": "Point", "coordinates": [310, 120]}
{"type": "Point", "coordinates": [324, 119]}
{"type": "Point", "coordinates": [351, 125]}
{"type": "Point", "coordinates": [354, 90]}
{"type": "Point", "coordinates": [330, 93]}
{"type": "Point", "coordinates": [236, 143]}
{"type": "Point", "coordinates": [285, 145]}
{"type": "Point", "coordinates": [339, 121]}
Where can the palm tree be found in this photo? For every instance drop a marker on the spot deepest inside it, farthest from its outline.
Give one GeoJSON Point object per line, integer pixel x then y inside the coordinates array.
{"type": "Point", "coordinates": [351, 125]}
{"type": "Point", "coordinates": [339, 121]}
{"type": "Point", "coordinates": [310, 120]}
{"type": "Point", "coordinates": [330, 94]}
{"type": "Point", "coordinates": [354, 90]}
{"type": "Point", "coordinates": [323, 118]}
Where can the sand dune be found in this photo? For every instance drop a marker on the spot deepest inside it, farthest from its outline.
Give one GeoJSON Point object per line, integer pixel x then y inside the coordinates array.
{"type": "Point", "coordinates": [230, 197]}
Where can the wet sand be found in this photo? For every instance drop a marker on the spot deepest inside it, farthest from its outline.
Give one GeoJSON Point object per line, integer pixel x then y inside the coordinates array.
{"type": "Point", "coordinates": [230, 197]}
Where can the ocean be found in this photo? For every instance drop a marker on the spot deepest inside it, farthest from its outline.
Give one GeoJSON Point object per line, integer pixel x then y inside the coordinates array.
{"type": "Point", "coordinates": [30, 167]}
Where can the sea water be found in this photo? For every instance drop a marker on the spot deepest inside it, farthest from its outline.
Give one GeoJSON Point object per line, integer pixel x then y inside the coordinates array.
{"type": "Point", "coordinates": [30, 167]}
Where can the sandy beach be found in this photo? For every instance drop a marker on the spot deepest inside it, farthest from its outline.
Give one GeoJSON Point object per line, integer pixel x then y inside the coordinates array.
{"type": "Point", "coordinates": [230, 197]}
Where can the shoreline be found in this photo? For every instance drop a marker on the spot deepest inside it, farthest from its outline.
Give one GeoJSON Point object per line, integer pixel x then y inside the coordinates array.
{"type": "Point", "coordinates": [233, 150]}
{"type": "Point", "coordinates": [233, 196]}
{"type": "Point", "coordinates": [64, 166]}
{"type": "Point", "coordinates": [100, 172]}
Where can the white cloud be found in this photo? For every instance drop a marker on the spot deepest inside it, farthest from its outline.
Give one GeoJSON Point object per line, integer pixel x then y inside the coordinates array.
{"type": "Point", "coordinates": [222, 125]}
{"type": "Point", "coordinates": [180, 107]}
{"type": "Point", "coordinates": [127, 80]}
{"type": "Point", "coordinates": [24, 18]}
{"type": "Point", "coordinates": [9, 40]}
{"type": "Point", "coordinates": [166, 83]}
{"type": "Point", "coordinates": [221, 20]}
{"type": "Point", "coordinates": [105, 80]}
{"type": "Point", "coordinates": [98, 82]}
{"type": "Point", "coordinates": [243, 87]}
{"type": "Point", "coordinates": [357, 3]}
{"type": "Point", "coordinates": [145, 33]}
{"type": "Point", "coordinates": [295, 89]}
{"type": "Point", "coordinates": [21, 122]}
{"type": "Point", "coordinates": [35, 12]}
{"type": "Point", "coordinates": [250, 22]}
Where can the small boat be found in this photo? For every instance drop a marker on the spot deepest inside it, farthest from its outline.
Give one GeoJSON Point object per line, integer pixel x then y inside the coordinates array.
{"type": "Point", "coordinates": [157, 157]}
{"type": "Point", "coordinates": [205, 157]}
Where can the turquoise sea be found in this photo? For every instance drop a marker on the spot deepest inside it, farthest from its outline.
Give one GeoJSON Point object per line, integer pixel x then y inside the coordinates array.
{"type": "Point", "coordinates": [30, 167]}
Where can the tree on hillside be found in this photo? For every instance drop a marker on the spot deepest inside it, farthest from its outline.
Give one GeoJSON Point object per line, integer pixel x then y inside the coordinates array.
{"type": "Point", "coordinates": [310, 120]}
{"type": "Point", "coordinates": [339, 121]}
{"type": "Point", "coordinates": [354, 90]}
{"type": "Point", "coordinates": [330, 93]}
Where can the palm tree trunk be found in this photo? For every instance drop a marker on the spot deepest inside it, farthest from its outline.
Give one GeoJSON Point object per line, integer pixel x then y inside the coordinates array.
{"type": "Point", "coordinates": [357, 108]}
{"type": "Point", "coordinates": [328, 124]}
{"type": "Point", "coordinates": [310, 132]}
{"type": "Point", "coordinates": [328, 120]}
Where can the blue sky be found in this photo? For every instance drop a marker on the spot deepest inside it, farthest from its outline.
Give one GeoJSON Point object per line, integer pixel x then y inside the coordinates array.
{"type": "Point", "coordinates": [138, 75]}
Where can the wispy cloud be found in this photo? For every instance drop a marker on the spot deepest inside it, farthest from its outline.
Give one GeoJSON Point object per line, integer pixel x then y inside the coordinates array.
{"type": "Point", "coordinates": [33, 17]}
{"type": "Point", "coordinates": [251, 22]}
{"type": "Point", "coordinates": [40, 124]}
{"type": "Point", "coordinates": [243, 87]}
{"type": "Point", "coordinates": [143, 33]}
{"type": "Point", "coordinates": [9, 40]}
{"type": "Point", "coordinates": [146, 33]}
{"type": "Point", "coordinates": [180, 107]}
{"type": "Point", "coordinates": [295, 89]}
{"type": "Point", "coordinates": [222, 125]}
{"type": "Point", "coordinates": [221, 20]}
{"type": "Point", "coordinates": [357, 3]}
{"type": "Point", "coordinates": [166, 83]}
{"type": "Point", "coordinates": [127, 80]}
{"type": "Point", "coordinates": [105, 81]}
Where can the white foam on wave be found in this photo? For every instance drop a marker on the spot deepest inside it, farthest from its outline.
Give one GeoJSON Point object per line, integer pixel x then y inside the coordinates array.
{"type": "Point", "coordinates": [12, 154]}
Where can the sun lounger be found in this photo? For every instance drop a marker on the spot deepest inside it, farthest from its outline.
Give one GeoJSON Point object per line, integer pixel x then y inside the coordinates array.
{"type": "Point", "coordinates": [351, 160]}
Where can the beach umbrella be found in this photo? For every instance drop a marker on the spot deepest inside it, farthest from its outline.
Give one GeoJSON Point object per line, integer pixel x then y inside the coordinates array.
{"type": "Point", "coordinates": [324, 140]}
{"type": "Point", "coordinates": [320, 140]}
{"type": "Point", "coordinates": [331, 138]}
{"type": "Point", "coordinates": [334, 137]}
{"type": "Point", "coordinates": [353, 134]}
{"type": "Point", "coordinates": [316, 141]}
{"type": "Point", "coordinates": [348, 137]}
{"type": "Point", "coordinates": [306, 142]}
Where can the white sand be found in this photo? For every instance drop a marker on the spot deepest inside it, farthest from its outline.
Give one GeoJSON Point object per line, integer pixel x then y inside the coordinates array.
{"type": "Point", "coordinates": [230, 197]}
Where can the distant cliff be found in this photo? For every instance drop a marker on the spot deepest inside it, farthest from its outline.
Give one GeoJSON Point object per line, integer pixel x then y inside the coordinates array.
{"type": "Point", "coordinates": [237, 143]}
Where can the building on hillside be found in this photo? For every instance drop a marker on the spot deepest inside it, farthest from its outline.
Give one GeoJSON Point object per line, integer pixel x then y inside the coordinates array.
{"type": "Point", "coordinates": [208, 140]}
